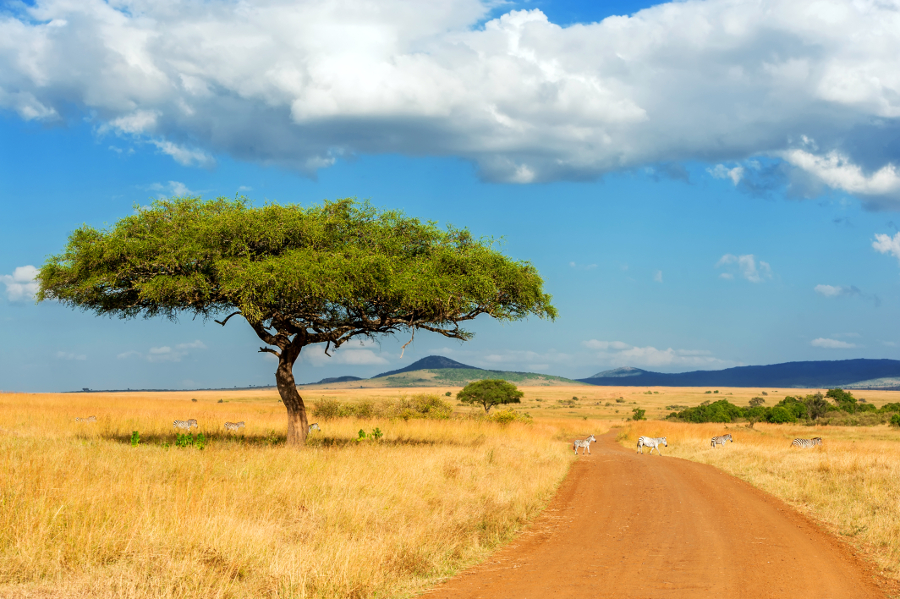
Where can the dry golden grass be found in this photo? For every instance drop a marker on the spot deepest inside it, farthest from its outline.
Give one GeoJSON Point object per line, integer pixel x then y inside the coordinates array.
{"type": "Point", "coordinates": [851, 483]}
{"type": "Point", "coordinates": [85, 514]}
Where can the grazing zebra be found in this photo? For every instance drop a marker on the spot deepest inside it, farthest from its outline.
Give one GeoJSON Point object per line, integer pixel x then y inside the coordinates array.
{"type": "Point", "coordinates": [652, 443]}
{"type": "Point", "coordinates": [187, 424]}
{"type": "Point", "coordinates": [807, 442]}
{"type": "Point", "coordinates": [721, 440]}
{"type": "Point", "coordinates": [233, 426]}
{"type": "Point", "coordinates": [88, 419]}
{"type": "Point", "coordinates": [313, 427]}
{"type": "Point", "coordinates": [585, 444]}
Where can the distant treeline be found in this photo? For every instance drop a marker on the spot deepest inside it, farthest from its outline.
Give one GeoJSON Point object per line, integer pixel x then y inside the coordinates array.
{"type": "Point", "coordinates": [836, 406]}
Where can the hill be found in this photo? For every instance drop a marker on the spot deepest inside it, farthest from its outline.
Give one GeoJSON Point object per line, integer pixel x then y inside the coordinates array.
{"type": "Point", "coordinates": [438, 371]}
{"type": "Point", "coordinates": [849, 374]}
{"type": "Point", "coordinates": [429, 363]}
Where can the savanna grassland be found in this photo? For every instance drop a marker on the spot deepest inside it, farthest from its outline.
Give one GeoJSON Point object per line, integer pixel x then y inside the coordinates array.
{"type": "Point", "coordinates": [84, 513]}
{"type": "Point", "coordinates": [850, 483]}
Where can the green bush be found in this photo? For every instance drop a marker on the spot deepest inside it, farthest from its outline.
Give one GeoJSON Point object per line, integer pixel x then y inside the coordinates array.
{"type": "Point", "coordinates": [895, 420]}
{"type": "Point", "coordinates": [509, 415]}
{"type": "Point", "coordinates": [638, 414]}
{"type": "Point", "coordinates": [326, 409]}
{"type": "Point", "coordinates": [780, 415]}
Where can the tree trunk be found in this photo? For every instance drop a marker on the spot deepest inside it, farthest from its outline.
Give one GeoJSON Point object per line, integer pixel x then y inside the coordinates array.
{"type": "Point", "coordinates": [298, 425]}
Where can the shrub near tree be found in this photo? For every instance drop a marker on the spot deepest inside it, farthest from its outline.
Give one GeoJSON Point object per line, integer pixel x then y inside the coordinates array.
{"type": "Point", "coordinates": [489, 393]}
{"type": "Point", "coordinates": [298, 276]}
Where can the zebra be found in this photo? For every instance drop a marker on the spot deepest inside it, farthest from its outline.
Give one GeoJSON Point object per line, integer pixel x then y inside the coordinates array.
{"type": "Point", "coordinates": [807, 442]}
{"type": "Point", "coordinates": [652, 443]}
{"type": "Point", "coordinates": [88, 419]}
{"type": "Point", "coordinates": [721, 440]}
{"type": "Point", "coordinates": [186, 424]}
{"type": "Point", "coordinates": [313, 427]}
{"type": "Point", "coordinates": [233, 426]}
{"type": "Point", "coordinates": [584, 444]}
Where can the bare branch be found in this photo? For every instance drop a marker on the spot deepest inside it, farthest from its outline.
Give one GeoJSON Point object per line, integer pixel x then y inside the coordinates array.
{"type": "Point", "coordinates": [268, 350]}
{"type": "Point", "coordinates": [222, 322]}
{"type": "Point", "coordinates": [403, 349]}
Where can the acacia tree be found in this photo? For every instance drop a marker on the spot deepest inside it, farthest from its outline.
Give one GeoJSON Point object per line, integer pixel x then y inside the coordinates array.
{"type": "Point", "coordinates": [489, 393]}
{"type": "Point", "coordinates": [298, 276]}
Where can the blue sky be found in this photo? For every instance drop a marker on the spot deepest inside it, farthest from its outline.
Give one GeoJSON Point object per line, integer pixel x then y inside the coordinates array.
{"type": "Point", "coordinates": [701, 184]}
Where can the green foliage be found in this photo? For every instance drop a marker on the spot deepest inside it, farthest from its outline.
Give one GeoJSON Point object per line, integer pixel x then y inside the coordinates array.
{"type": "Point", "coordinates": [331, 264]}
{"type": "Point", "coordinates": [780, 415]}
{"type": "Point", "coordinates": [638, 414]}
{"type": "Point", "coordinates": [620, 400]}
{"type": "Point", "coordinates": [375, 435]}
{"type": "Point", "coordinates": [844, 400]}
{"type": "Point", "coordinates": [816, 406]}
{"type": "Point", "coordinates": [423, 405]}
{"type": "Point", "coordinates": [890, 407]}
{"type": "Point", "coordinates": [221, 401]}
{"type": "Point", "coordinates": [447, 394]}
{"type": "Point", "coordinates": [183, 440]}
{"type": "Point", "coordinates": [194, 399]}
{"type": "Point", "coordinates": [135, 438]}
{"type": "Point", "coordinates": [790, 409]}
{"type": "Point", "coordinates": [489, 393]}
{"type": "Point", "coordinates": [895, 420]}
{"type": "Point", "coordinates": [719, 411]}
{"type": "Point", "coordinates": [508, 415]}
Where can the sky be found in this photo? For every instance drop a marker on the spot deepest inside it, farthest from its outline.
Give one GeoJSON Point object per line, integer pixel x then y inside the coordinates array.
{"type": "Point", "coordinates": [701, 184]}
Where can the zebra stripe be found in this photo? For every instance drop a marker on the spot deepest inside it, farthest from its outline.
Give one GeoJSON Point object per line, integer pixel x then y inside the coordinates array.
{"type": "Point", "coordinates": [807, 442]}
{"type": "Point", "coordinates": [313, 427]}
{"type": "Point", "coordinates": [233, 426]}
{"type": "Point", "coordinates": [88, 419]}
{"type": "Point", "coordinates": [652, 443]}
{"type": "Point", "coordinates": [585, 444]}
{"type": "Point", "coordinates": [186, 424]}
{"type": "Point", "coordinates": [721, 440]}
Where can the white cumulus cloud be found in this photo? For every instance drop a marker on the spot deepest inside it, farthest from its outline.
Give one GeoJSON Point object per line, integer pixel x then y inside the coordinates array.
{"type": "Point", "coordinates": [885, 244]}
{"type": "Point", "coordinates": [21, 284]}
{"type": "Point", "coordinates": [164, 353]}
{"type": "Point", "coordinates": [617, 353]}
{"type": "Point", "coordinates": [302, 83]}
{"type": "Point", "coordinates": [746, 266]}
{"type": "Point", "coordinates": [837, 291]}
{"type": "Point", "coordinates": [831, 343]}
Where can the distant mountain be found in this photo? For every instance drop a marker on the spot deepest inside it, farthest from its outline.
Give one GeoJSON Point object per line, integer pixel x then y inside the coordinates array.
{"type": "Point", "coordinates": [337, 379]}
{"type": "Point", "coordinates": [429, 363]}
{"type": "Point", "coordinates": [438, 371]}
{"type": "Point", "coordinates": [620, 372]}
{"type": "Point", "coordinates": [812, 374]}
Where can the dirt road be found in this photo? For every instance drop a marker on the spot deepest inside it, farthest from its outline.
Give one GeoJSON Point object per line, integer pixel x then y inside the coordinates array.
{"type": "Point", "coordinates": [629, 526]}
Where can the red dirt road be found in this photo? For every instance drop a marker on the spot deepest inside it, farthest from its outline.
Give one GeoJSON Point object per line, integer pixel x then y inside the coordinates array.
{"type": "Point", "coordinates": [629, 526]}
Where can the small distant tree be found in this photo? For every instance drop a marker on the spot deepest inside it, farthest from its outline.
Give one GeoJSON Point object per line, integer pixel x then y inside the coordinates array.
{"type": "Point", "coordinates": [816, 406]}
{"type": "Point", "coordinates": [638, 414]}
{"type": "Point", "coordinates": [298, 276]}
{"type": "Point", "coordinates": [489, 393]}
{"type": "Point", "coordinates": [756, 402]}
{"type": "Point", "coordinates": [843, 399]}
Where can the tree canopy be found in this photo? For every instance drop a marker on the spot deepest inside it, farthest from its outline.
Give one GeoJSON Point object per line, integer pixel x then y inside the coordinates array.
{"type": "Point", "coordinates": [298, 275]}
{"type": "Point", "coordinates": [489, 393]}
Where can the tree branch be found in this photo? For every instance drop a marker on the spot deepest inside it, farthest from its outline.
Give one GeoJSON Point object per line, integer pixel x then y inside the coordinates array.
{"type": "Point", "coordinates": [227, 318]}
{"type": "Point", "coordinates": [268, 350]}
